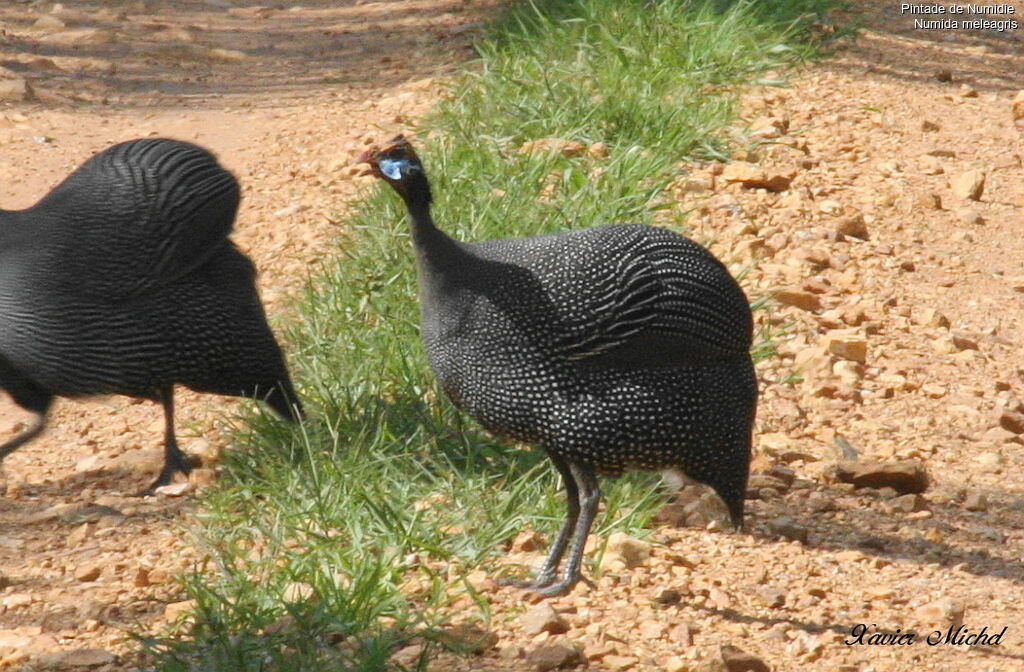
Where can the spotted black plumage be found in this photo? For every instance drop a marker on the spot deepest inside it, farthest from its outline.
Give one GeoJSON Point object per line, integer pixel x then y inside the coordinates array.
{"type": "Point", "coordinates": [122, 280]}
{"type": "Point", "coordinates": [614, 347]}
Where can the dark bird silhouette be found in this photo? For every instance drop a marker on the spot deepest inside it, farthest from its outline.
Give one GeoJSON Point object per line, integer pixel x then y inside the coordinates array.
{"type": "Point", "coordinates": [613, 347]}
{"type": "Point", "coordinates": [122, 280]}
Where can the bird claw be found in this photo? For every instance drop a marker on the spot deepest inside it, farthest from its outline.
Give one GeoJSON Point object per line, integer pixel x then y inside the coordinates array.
{"type": "Point", "coordinates": [166, 477]}
{"type": "Point", "coordinates": [535, 584]}
{"type": "Point", "coordinates": [546, 585]}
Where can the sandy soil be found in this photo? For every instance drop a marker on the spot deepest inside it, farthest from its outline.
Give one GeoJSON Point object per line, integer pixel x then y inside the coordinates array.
{"type": "Point", "coordinates": [905, 293]}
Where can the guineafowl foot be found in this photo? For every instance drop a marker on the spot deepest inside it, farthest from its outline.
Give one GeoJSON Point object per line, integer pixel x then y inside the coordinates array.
{"type": "Point", "coordinates": [184, 465]}
{"type": "Point", "coordinates": [547, 585]}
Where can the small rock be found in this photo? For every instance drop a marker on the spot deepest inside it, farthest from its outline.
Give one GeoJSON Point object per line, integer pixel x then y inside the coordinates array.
{"type": "Point", "coordinates": [48, 22]}
{"type": "Point", "coordinates": [784, 526]}
{"type": "Point", "coordinates": [1012, 421]}
{"type": "Point", "coordinates": [848, 344]}
{"type": "Point", "coordinates": [78, 535]}
{"type": "Point", "coordinates": [88, 573]}
{"type": "Point", "coordinates": [968, 91]}
{"type": "Point", "coordinates": [78, 658]}
{"type": "Point", "coordinates": [976, 501]}
{"type": "Point", "coordinates": [910, 503]}
{"type": "Point", "coordinates": [944, 75]}
{"type": "Point", "coordinates": [527, 541]}
{"type": "Point", "coordinates": [969, 185]}
{"type": "Point", "coordinates": [799, 299]}
{"type": "Point", "coordinates": [175, 489]}
{"type": "Point", "coordinates": [674, 664]}
{"type": "Point", "coordinates": [292, 209]}
{"type": "Point", "coordinates": [633, 551]}
{"type": "Point", "coordinates": [555, 657]}
{"type": "Point", "coordinates": [694, 185]}
{"type": "Point", "coordinates": [880, 592]}
{"type": "Point", "coordinates": [753, 176]}
{"type": "Point", "coordinates": [849, 372]}
{"type": "Point", "coordinates": [93, 36]}
{"type": "Point", "coordinates": [615, 663]}
{"type": "Point", "coordinates": [208, 453]}
{"type": "Point", "coordinates": [598, 150]}
{"type": "Point", "coordinates": [853, 226]}
{"type": "Point", "coordinates": [668, 597]}
{"type": "Point", "coordinates": [905, 476]}
{"type": "Point", "coordinates": [468, 638]}
{"type": "Point", "coordinates": [758, 482]}
{"type": "Point", "coordinates": [672, 514]}
{"type": "Point", "coordinates": [176, 610]}
{"type": "Point", "coordinates": [408, 656]}
{"type": "Point", "coordinates": [931, 165]}
{"type": "Point", "coordinates": [202, 478]}
{"type": "Point", "coordinates": [14, 640]}
{"type": "Point", "coordinates": [1017, 106]}
{"type": "Point", "coordinates": [941, 614]}
{"type": "Point", "coordinates": [929, 126]}
{"type": "Point", "coordinates": [511, 652]}
{"type": "Point", "coordinates": [681, 635]}
{"type": "Point", "coordinates": [651, 629]}
{"type": "Point", "coordinates": [963, 342]}
{"type": "Point", "coordinates": [737, 660]}
{"type": "Point", "coordinates": [543, 618]}
{"type": "Point", "coordinates": [969, 217]}
{"type": "Point", "coordinates": [771, 597]}
{"type": "Point", "coordinates": [141, 578]}
{"type": "Point", "coordinates": [16, 90]}
{"type": "Point", "coordinates": [830, 207]}
{"type": "Point", "coordinates": [930, 317]}
{"type": "Point", "coordinates": [990, 461]}
{"type": "Point", "coordinates": [15, 600]}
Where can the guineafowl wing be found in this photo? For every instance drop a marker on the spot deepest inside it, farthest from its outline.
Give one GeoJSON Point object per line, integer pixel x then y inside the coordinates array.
{"type": "Point", "coordinates": [653, 298]}
{"type": "Point", "coordinates": [136, 216]}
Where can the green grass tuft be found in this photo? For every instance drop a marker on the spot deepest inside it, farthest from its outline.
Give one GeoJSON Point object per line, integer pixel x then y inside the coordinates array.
{"type": "Point", "coordinates": [377, 506]}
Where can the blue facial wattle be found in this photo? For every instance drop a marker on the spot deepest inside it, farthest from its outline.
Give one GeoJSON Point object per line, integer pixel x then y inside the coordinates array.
{"type": "Point", "coordinates": [392, 168]}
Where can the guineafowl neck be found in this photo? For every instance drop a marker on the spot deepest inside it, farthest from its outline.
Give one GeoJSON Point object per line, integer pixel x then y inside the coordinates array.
{"type": "Point", "coordinates": [437, 253]}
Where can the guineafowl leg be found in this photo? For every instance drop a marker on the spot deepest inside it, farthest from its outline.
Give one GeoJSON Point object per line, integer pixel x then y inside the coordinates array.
{"type": "Point", "coordinates": [29, 396]}
{"type": "Point", "coordinates": [549, 571]}
{"type": "Point", "coordinates": [175, 461]}
{"type": "Point", "coordinates": [23, 438]}
{"type": "Point", "coordinates": [589, 498]}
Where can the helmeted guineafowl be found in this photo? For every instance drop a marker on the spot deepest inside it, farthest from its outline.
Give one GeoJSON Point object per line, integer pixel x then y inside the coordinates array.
{"type": "Point", "coordinates": [614, 347]}
{"type": "Point", "coordinates": [122, 280]}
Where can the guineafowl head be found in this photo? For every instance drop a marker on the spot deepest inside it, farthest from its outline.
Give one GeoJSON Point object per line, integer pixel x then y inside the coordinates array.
{"type": "Point", "coordinates": [397, 164]}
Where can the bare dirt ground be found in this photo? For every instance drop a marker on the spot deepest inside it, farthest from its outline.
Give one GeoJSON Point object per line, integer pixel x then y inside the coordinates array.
{"type": "Point", "coordinates": [894, 225]}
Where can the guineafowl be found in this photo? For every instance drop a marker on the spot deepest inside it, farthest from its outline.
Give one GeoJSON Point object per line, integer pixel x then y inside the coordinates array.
{"type": "Point", "coordinates": [613, 347]}
{"type": "Point", "coordinates": [122, 280]}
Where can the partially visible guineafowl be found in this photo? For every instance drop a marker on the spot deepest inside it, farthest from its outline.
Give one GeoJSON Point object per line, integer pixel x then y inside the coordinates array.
{"type": "Point", "coordinates": [611, 347]}
{"type": "Point", "coordinates": [122, 280]}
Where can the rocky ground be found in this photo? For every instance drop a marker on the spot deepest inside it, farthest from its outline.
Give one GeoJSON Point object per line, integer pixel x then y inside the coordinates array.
{"type": "Point", "coordinates": [887, 207]}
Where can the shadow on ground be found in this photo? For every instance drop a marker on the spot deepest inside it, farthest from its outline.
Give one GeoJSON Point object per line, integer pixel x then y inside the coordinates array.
{"type": "Point", "coordinates": [170, 53]}
{"type": "Point", "coordinates": [994, 59]}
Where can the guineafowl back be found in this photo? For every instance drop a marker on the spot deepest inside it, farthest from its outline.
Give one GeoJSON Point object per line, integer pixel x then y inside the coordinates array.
{"type": "Point", "coordinates": [122, 280]}
{"type": "Point", "coordinates": [137, 215]}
